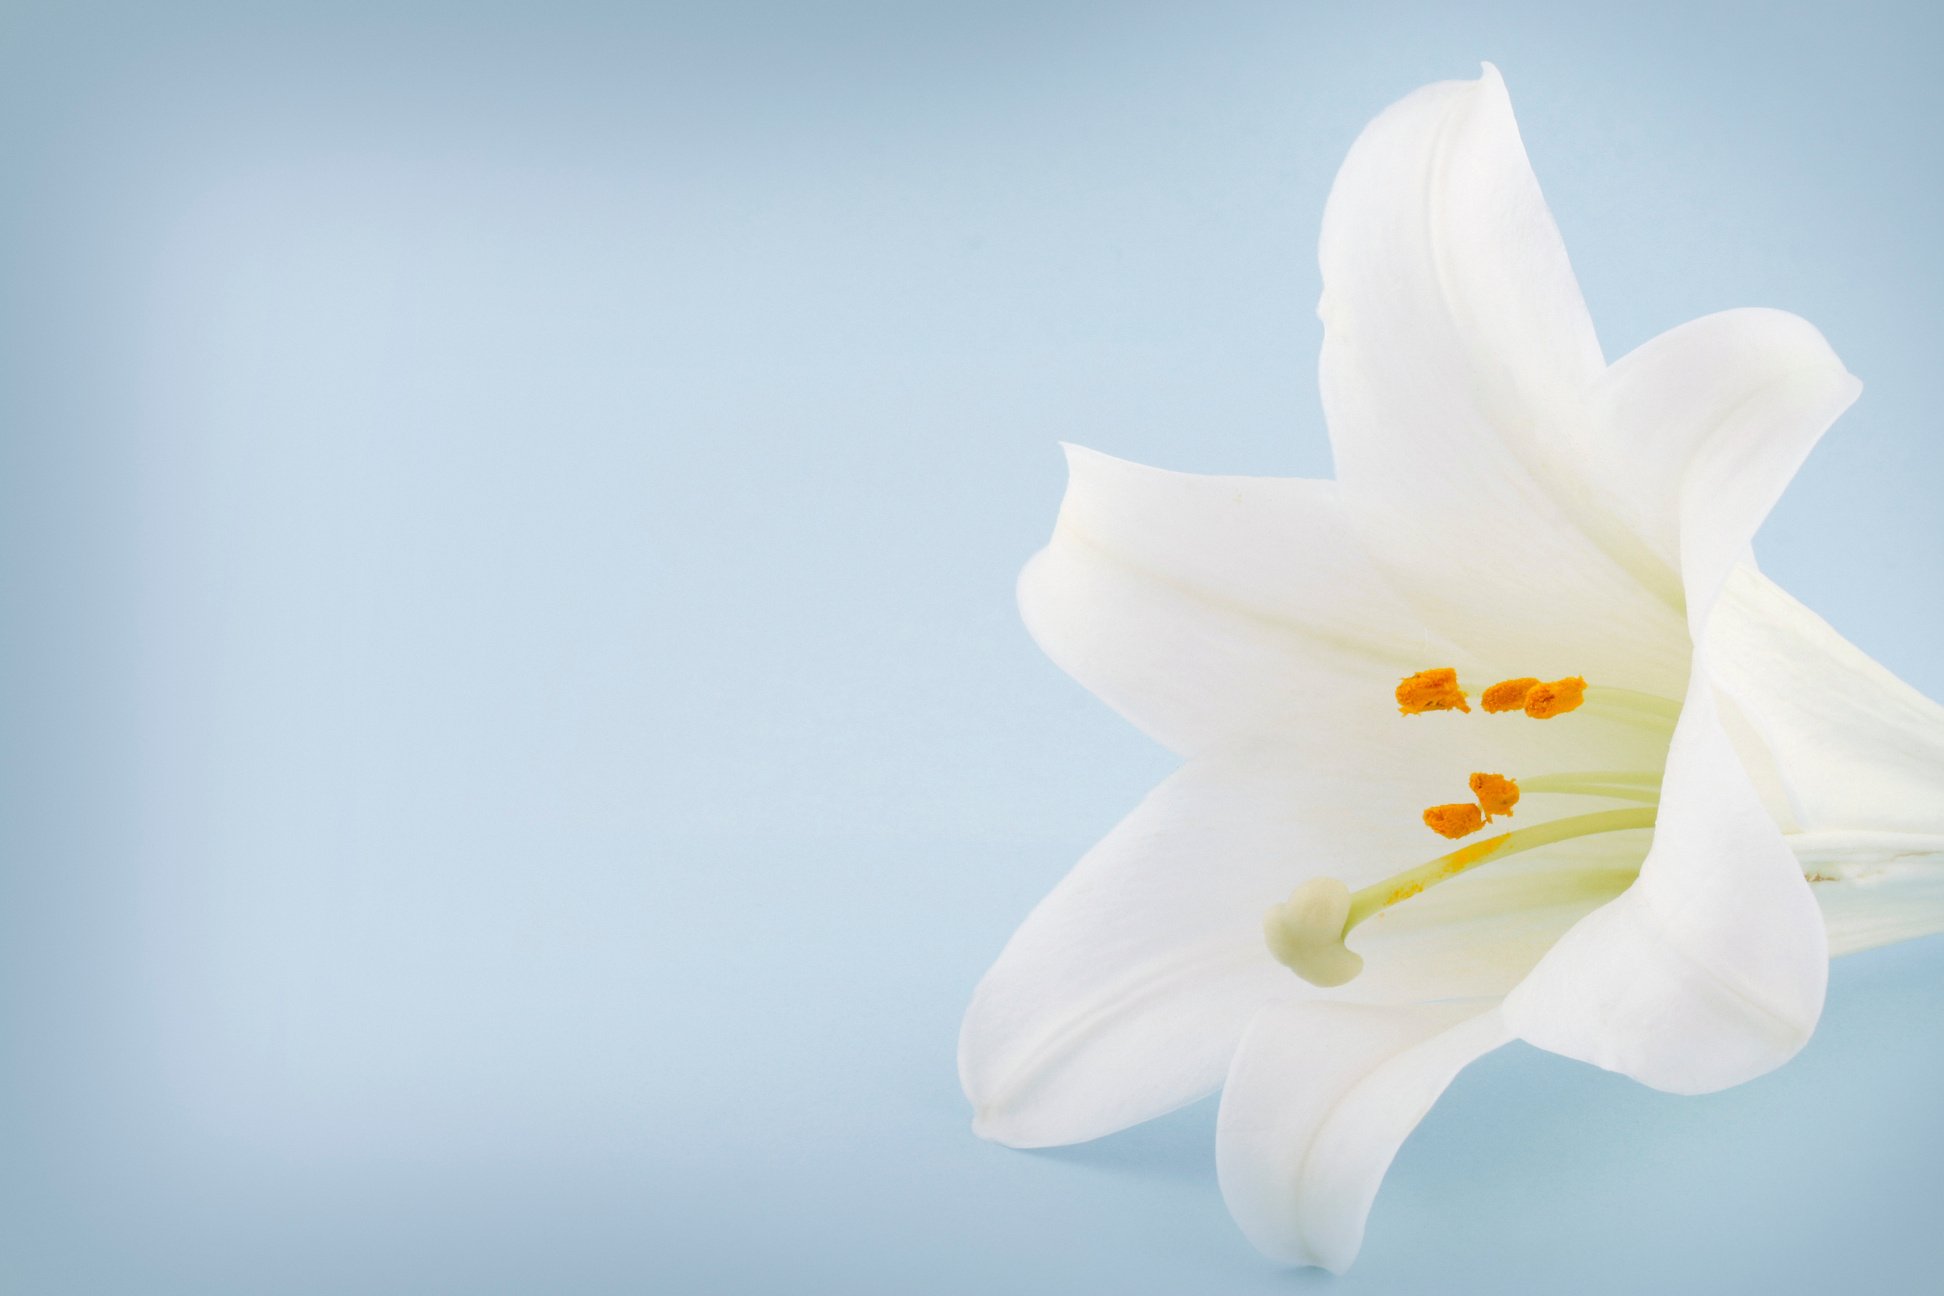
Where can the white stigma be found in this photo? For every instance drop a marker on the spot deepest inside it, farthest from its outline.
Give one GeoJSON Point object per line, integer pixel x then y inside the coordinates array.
{"type": "Point", "coordinates": [1305, 933]}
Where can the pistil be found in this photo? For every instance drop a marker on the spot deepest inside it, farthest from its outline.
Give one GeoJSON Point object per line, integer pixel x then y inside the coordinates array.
{"type": "Point", "coordinates": [1306, 932]}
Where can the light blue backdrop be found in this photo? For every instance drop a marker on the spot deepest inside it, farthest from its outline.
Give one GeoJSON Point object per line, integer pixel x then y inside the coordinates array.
{"type": "Point", "coordinates": [517, 739]}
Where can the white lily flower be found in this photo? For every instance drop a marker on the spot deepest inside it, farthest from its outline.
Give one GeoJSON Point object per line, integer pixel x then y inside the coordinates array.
{"type": "Point", "coordinates": [1739, 794]}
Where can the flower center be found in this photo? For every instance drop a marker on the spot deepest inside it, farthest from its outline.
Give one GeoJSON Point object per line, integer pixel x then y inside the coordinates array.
{"type": "Point", "coordinates": [1306, 932]}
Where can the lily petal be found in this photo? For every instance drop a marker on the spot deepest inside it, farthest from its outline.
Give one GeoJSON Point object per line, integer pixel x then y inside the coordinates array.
{"type": "Point", "coordinates": [1710, 969]}
{"type": "Point", "coordinates": [1693, 436]}
{"type": "Point", "coordinates": [1216, 611]}
{"type": "Point", "coordinates": [1318, 1101]}
{"type": "Point", "coordinates": [1457, 355]}
{"type": "Point", "coordinates": [1448, 298]}
{"type": "Point", "coordinates": [1854, 745]}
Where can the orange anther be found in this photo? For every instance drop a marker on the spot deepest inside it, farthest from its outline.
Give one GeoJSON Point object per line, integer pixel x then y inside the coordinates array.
{"type": "Point", "coordinates": [1454, 820]}
{"type": "Point", "coordinates": [1508, 695]}
{"type": "Point", "coordinates": [1496, 793]}
{"type": "Point", "coordinates": [1557, 698]}
{"type": "Point", "coordinates": [1431, 690]}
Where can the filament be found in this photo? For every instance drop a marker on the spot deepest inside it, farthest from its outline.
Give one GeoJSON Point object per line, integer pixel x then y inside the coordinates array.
{"type": "Point", "coordinates": [1402, 886]}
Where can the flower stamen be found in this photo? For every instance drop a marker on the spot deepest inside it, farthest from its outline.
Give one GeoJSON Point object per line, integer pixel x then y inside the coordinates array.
{"type": "Point", "coordinates": [1431, 690]}
{"type": "Point", "coordinates": [1544, 701]}
{"type": "Point", "coordinates": [1508, 695]}
{"type": "Point", "coordinates": [1458, 820]}
{"type": "Point", "coordinates": [1496, 794]}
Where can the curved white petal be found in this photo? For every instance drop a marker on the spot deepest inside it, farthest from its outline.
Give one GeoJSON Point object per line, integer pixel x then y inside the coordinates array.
{"type": "Point", "coordinates": [1457, 356]}
{"type": "Point", "coordinates": [1710, 969]}
{"type": "Point", "coordinates": [1215, 611]}
{"type": "Point", "coordinates": [1122, 996]}
{"type": "Point", "coordinates": [1318, 1101]}
{"type": "Point", "coordinates": [1692, 437]}
{"type": "Point", "coordinates": [1853, 745]}
{"type": "Point", "coordinates": [1448, 301]}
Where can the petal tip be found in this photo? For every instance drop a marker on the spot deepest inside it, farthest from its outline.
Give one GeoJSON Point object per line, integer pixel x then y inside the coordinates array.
{"type": "Point", "coordinates": [1078, 455]}
{"type": "Point", "coordinates": [1087, 467]}
{"type": "Point", "coordinates": [986, 1124]}
{"type": "Point", "coordinates": [996, 1123]}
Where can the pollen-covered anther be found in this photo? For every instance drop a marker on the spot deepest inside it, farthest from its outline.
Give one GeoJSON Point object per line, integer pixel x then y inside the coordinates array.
{"type": "Point", "coordinates": [1556, 698]}
{"type": "Point", "coordinates": [1454, 821]}
{"type": "Point", "coordinates": [1431, 690]}
{"type": "Point", "coordinates": [1508, 695]}
{"type": "Point", "coordinates": [1496, 794]}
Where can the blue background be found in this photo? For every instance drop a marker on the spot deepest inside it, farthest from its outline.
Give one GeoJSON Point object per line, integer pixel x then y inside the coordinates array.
{"type": "Point", "coordinates": [517, 739]}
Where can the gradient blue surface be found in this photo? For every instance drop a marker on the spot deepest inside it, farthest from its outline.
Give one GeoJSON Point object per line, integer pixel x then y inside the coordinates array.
{"type": "Point", "coordinates": [517, 740]}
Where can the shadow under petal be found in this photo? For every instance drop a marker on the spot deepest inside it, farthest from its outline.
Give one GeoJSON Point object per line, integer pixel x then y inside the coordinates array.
{"type": "Point", "coordinates": [1179, 1146]}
